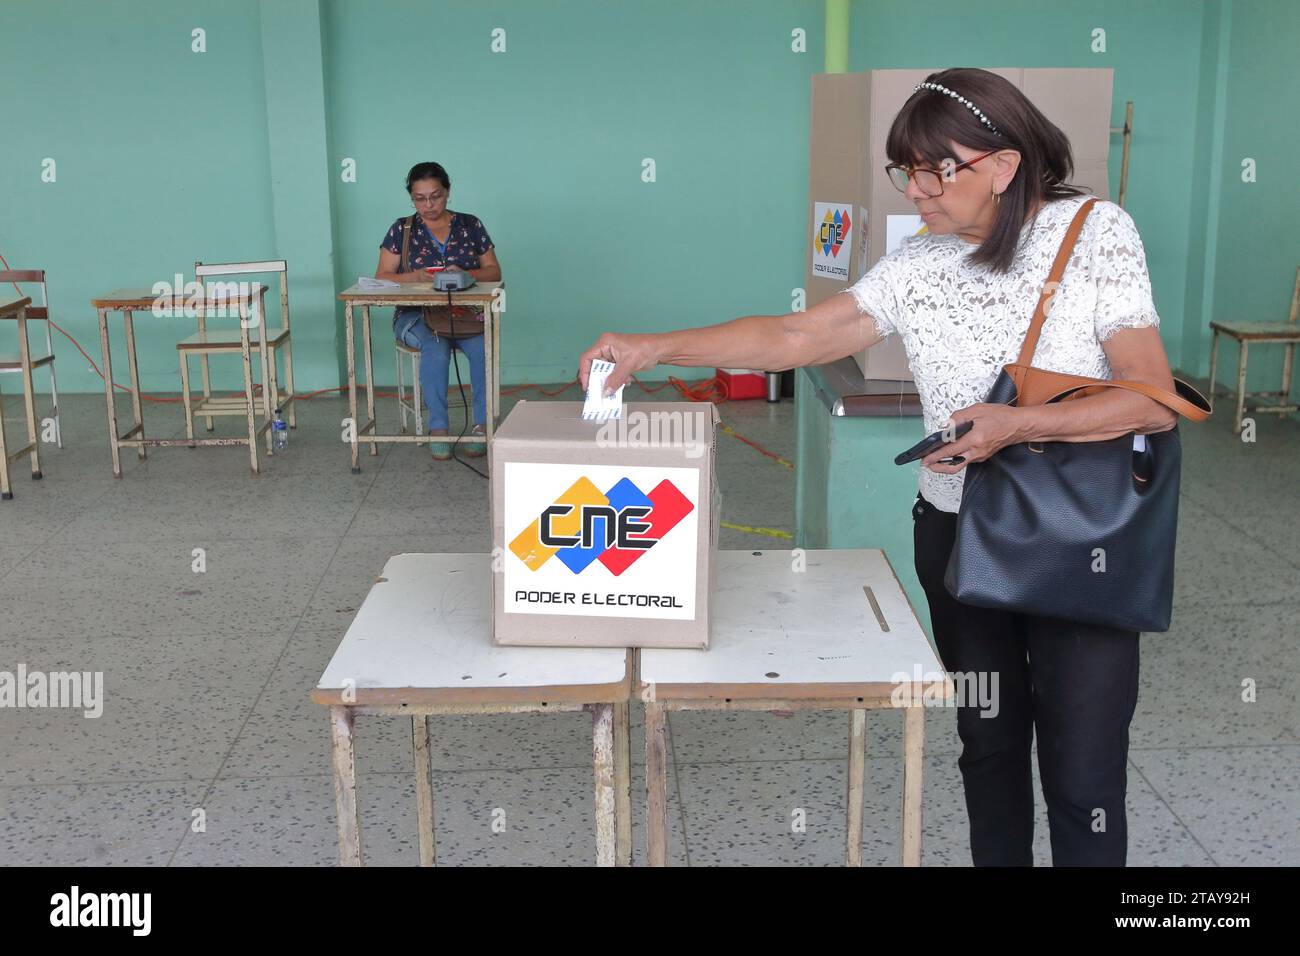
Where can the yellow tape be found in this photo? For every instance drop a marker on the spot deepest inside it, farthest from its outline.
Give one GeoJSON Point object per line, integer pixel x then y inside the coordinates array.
{"type": "Point", "coordinates": [769, 532]}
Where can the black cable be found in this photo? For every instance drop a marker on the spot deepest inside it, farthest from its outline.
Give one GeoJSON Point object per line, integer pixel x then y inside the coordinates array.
{"type": "Point", "coordinates": [469, 412]}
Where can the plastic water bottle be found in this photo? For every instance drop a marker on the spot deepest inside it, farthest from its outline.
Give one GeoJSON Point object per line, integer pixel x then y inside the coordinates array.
{"type": "Point", "coordinates": [279, 432]}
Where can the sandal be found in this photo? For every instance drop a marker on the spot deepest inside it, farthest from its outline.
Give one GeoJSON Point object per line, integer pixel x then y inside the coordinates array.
{"type": "Point", "coordinates": [474, 449]}
{"type": "Point", "coordinates": [441, 450]}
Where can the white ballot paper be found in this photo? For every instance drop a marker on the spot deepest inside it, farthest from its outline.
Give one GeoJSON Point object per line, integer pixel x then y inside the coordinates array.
{"type": "Point", "coordinates": [371, 284]}
{"type": "Point", "coordinates": [597, 407]}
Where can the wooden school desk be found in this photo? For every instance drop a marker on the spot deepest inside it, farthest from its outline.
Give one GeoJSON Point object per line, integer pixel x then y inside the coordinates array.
{"type": "Point", "coordinates": [483, 294]}
{"type": "Point", "coordinates": [833, 636]}
{"type": "Point", "coordinates": [421, 646]}
{"type": "Point", "coordinates": [246, 303]}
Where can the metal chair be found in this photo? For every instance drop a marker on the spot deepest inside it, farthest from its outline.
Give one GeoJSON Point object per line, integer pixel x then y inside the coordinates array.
{"type": "Point", "coordinates": [417, 398]}
{"type": "Point", "coordinates": [206, 342]}
{"type": "Point", "coordinates": [17, 310]}
{"type": "Point", "coordinates": [41, 313]}
{"type": "Point", "coordinates": [267, 340]}
{"type": "Point", "coordinates": [416, 405]}
{"type": "Point", "coordinates": [1287, 333]}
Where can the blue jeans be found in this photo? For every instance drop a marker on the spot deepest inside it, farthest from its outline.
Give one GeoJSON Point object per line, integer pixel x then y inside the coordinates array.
{"type": "Point", "coordinates": [435, 364]}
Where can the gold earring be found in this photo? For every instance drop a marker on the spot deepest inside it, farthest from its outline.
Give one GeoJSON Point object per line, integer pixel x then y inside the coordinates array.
{"type": "Point", "coordinates": [997, 199]}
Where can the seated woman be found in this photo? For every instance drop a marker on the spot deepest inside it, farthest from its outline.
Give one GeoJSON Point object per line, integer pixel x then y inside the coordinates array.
{"type": "Point", "coordinates": [438, 237]}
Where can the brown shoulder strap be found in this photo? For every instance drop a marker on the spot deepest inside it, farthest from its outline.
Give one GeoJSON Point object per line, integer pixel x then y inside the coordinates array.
{"type": "Point", "coordinates": [1185, 400]}
{"type": "Point", "coordinates": [1053, 281]}
{"type": "Point", "coordinates": [406, 241]}
{"type": "Point", "coordinates": [1036, 386]}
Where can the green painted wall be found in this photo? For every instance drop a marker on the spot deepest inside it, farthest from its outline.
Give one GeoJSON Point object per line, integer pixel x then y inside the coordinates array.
{"type": "Point", "coordinates": [545, 144]}
{"type": "Point", "coordinates": [161, 159]}
{"type": "Point", "coordinates": [303, 204]}
{"type": "Point", "coordinates": [1257, 252]}
{"type": "Point", "coordinates": [165, 155]}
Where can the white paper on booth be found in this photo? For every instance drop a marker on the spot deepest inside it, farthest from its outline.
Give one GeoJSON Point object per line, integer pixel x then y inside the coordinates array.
{"type": "Point", "coordinates": [898, 228]}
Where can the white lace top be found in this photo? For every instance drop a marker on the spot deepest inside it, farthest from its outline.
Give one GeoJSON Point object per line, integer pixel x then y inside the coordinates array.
{"type": "Point", "coordinates": [961, 323]}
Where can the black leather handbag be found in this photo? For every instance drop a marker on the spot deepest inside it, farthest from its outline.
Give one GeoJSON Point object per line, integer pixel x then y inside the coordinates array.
{"type": "Point", "coordinates": [1082, 531]}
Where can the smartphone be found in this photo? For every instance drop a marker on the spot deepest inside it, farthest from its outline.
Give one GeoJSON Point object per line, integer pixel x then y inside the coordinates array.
{"type": "Point", "coordinates": [930, 442]}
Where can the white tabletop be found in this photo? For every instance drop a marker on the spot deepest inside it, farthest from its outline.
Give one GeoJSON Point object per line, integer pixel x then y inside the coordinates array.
{"type": "Point", "coordinates": [421, 293]}
{"type": "Point", "coordinates": [783, 633]}
{"type": "Point", "coordinates": [424, 635]}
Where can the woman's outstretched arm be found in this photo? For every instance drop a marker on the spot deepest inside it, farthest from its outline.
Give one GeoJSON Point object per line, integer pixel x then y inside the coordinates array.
{"type": "Point", "coordinates": [772, 343]}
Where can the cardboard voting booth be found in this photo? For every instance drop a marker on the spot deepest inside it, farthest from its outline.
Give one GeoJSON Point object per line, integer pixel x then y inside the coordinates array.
{"type": "Point", "coordinates": [604, 532]}
{"type": "Point", "coordinates": [856, 216]}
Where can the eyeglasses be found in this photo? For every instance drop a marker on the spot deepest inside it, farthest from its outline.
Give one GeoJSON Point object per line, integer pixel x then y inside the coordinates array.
{"type": "Point", "coordinates": [422, 200]}
{"type": "Point", "coordinates": [929, 181]}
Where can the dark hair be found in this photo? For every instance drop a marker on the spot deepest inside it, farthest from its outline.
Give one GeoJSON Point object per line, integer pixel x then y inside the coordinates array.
{"type": "Point", "coordinates": [428, 171]}
{"type": "Point", "coordinates": [930, 119]}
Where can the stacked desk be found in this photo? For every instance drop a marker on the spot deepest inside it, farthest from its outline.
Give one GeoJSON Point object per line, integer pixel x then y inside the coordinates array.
{"type": "Point", "coordinates": [814, 630]}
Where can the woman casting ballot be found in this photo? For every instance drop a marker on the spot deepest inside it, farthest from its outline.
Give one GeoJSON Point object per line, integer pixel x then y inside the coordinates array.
{"type": "Point", "coordinates": [436, 237]}
{"type": "Point", "coordinates": [987, 172]}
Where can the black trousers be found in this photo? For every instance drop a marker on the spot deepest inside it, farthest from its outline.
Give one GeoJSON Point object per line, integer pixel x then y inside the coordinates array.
{"type": "Point", "coordinates": [1074, 684]}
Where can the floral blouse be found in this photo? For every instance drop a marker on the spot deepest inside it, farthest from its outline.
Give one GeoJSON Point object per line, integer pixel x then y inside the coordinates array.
{"type": "Point", "coordinates": [467, 241]}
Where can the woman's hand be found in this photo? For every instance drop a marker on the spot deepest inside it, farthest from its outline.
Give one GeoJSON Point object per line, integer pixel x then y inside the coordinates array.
{"type": "Point", "coordinates": [629, 353]}
{"type": "Point", "coordinates": [996, 426]}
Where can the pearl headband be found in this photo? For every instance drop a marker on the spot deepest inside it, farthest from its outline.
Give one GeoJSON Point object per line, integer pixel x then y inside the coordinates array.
{"type": "Point", "coordinates": [960, 99]}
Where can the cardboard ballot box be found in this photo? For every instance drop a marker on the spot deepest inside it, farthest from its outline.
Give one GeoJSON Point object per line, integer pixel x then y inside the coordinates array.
{"type": "Point", "coordinates": [604, 532]}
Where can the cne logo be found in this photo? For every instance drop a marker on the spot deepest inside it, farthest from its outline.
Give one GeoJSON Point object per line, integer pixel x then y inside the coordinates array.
{"type": "Point", "coordinates": [615, 527]}
{"type": "Point", "coordinates": [834, 227]}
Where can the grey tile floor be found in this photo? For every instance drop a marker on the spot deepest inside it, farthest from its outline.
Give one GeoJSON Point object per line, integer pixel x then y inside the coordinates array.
{"type": "Point", "coordinates": [207, 674]}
